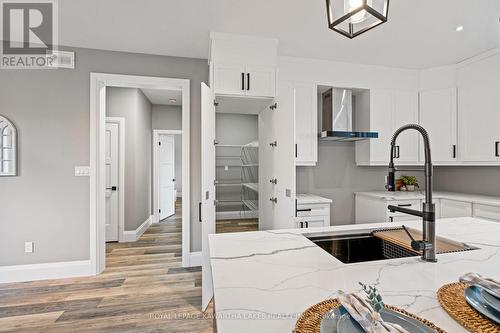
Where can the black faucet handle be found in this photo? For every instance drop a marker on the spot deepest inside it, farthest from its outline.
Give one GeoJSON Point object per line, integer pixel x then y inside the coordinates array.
{"type": "Point", "coordinates": [415, 244]}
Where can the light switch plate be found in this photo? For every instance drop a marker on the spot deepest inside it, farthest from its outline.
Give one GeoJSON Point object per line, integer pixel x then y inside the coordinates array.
{"type": "Point", "coordinates": [82, 171]}
{"type": "Point", "coordinates": [28, 247]}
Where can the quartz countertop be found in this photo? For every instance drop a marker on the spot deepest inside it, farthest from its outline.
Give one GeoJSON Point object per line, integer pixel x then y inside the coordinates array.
{"type": "Point", "coordinates": [311, 199]}
{"type": "Point", "coordinates": [417, 195]}
{"type": "Point", "coordinates": [264, 280]}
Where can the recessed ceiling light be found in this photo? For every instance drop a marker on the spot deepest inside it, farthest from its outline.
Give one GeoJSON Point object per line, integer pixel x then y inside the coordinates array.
{"type": "Point", "coordinates": [172, 100]}
{"type": "Point", "coordinates": [460, 28]}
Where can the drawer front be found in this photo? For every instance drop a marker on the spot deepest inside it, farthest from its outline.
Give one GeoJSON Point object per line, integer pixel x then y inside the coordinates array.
{"type": "Point", "coordinates": [454, 208]}
{"type": "Point", "coordinates": [410, 204]}
{"type": "Point", "coordinates": [312, 222]}
{"type": "Point", "coordinates": [487, 212]}
{"type": "Point", "coordinates": [305, 210]}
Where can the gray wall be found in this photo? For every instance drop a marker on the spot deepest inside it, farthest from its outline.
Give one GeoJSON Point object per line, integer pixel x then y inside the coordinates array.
{"type": "Point", "coordinates": [337, 177]}
{"type": "Point", "coordinates": [46, 203]}
{"type": "Point", "coordinates": [132, 105]}
{"type": "Point", "coordinates": [169, 117]}
{"type": "Point", "coordinates": [477, 180]}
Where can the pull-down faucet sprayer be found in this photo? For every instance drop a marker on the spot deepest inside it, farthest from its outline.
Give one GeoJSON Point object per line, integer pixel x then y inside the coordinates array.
{"type": "Point", "coordinates": [428, 245]}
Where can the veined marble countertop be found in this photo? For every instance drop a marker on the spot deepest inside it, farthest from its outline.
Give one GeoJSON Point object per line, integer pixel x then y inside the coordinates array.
{"type": "Point", "coordinates": [264, 280]}
{"type": "Point", "coordinates": [417, 195]}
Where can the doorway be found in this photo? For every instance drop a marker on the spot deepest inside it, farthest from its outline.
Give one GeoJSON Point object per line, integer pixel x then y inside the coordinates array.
{"type": "Point", "coordinates": [167, 178]}
{"type": "Point", "coordinates": [98, 84]}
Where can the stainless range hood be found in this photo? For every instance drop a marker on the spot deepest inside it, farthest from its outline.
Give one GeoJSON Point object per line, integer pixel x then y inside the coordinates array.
{"type": "Point", "coordinates": [337, 117]}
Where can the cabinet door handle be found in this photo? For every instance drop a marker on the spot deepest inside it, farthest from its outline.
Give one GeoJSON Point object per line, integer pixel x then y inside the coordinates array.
{"type": "Point", "coordinates": [273, 181]}
{"type": "Point", "coordinates": [497, 149]}
{"type": "Point", "coordinates": [454, 151]}
{"type": "Point", "coordinates": [248, 81]}
{"type": "Point", "coordinates": [242, 81]}
{"type": "Point", "coordinates": [404, 205]}
{"type": "Point", "coordinates": [274, 144]}
{"type": "Point", "coordinates": [307, 224]}
{"type": "Point", "coordinates": [199, 211]}
{"type": "Point", "coordinates": [301, 225]}
{"type": "Point", "coordinates": [274, 200]}
{"type": "Point", "coordinates": [304, 210]}
{"type": "Point", "coordinates": [296, 149]}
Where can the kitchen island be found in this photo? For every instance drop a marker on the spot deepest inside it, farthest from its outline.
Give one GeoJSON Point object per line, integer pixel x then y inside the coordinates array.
{"type": "Point", "coordinates": [264, 280]}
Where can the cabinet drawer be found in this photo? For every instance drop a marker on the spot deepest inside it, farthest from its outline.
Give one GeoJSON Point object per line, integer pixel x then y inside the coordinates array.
{"type": "Point", "coordinates": [313, 210]}
{"type": "Point", "coordinates": [487, 212]}
{"type": "Point", "coordinates": [455, 208]}
{"type": "Point", "coordinates": [312, 222]}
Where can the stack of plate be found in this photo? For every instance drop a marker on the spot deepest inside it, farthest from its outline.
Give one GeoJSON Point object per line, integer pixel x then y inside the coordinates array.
{"type": "Point", "coordinates": [339, 320]}
{"type": "Point", "coordinates": [484, 302]}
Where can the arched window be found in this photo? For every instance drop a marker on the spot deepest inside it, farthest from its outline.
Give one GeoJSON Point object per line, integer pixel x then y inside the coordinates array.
{"type": "Point", "coordinates": [8, 148]}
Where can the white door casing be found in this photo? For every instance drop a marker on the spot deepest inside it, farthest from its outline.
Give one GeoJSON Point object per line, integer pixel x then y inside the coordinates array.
{"type": "Point", "coordinates": [166, 175]}
{"type": "Point", "coordinates": [207, 187]}
{"type": "Point", "coordinates": [112, 181]}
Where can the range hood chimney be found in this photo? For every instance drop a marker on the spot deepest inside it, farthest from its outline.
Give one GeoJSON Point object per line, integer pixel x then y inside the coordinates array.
{"type": "Point", "coordinates": [338, 118]}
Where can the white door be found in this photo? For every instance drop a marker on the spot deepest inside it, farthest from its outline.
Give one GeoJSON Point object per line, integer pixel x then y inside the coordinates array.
{"type": "Point", "coordinates": [284, 157]}
{"type": "Point", "coordinates": [306, 125]}
{"type": "Point", "coordinates": [207, 187]}
{"type": "Point", "coordinates": [438, 115]}
{"type": "Point", "coordinates": [267, 176]}
{"type": "Point", "coordinates": [405, 111]}
{"type": "Point", "coordinates": [112, 176]}
{"type": "Point", "coordinates": [229, 79]}
{"type": "Point", "coordinates": [260, 81]}
{"type": "Point", "coordinates": [166, 174]}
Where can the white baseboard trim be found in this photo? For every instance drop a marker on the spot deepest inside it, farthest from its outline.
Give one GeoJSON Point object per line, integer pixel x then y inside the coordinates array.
{"type": "Point", "coordinates": [132, 236]}
{"type": "Point", "coordinates": [46, 271]}
{"type": "Point", "coordinates": [236, 215]}
{"type": "Point", "coordinates": [195, 259]}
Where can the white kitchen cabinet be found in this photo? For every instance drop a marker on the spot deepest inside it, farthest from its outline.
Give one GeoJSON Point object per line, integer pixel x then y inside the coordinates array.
{"type": "Point", "coordinates": [244, 80]}
{"type": "Point", "coordinates": [306, 124]}
{"type": "Point", "coordinates": [455, 208]}
{"type": "Point", "coordinates": [479, 111]}
{"type": "Point", "coordinates": [388, 110]}
{"type": "Point", "coordinates": [260, 81]}
{"type": "Point", "coordinates": [438, 115]}
{"type": "Point", "coordinates": [312, 211]}
{"type": "Point", "coordinates": [486, 211]}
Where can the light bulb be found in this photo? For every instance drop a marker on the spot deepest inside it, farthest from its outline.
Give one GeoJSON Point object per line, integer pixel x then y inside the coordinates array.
{"type": "Point", "coordinates": [351, 5]}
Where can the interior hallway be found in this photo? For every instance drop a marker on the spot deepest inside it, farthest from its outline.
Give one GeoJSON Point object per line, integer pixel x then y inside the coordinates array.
{"type": "Point", "coordinates": [142, 289]}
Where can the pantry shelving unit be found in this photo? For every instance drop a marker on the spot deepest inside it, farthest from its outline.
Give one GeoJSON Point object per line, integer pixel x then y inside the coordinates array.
{"type": "Point", "coordinates": [237, 189]}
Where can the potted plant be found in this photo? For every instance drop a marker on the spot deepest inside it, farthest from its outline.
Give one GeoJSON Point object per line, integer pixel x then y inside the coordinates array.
{"type": "Point", "coordinates": [410, 182]}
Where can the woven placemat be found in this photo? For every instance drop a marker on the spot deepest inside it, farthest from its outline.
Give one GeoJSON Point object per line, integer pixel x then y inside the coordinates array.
{"type": "Point", "coordinates": [451, 297]}
{"type": "Point", "coordinates": [310, 320]}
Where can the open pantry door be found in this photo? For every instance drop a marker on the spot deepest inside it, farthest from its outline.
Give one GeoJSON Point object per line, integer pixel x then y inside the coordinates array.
{"type": "Point", "coordinates": [207, 203]}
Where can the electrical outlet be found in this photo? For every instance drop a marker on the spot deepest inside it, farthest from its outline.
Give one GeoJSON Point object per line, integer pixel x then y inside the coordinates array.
{"type": "Point", "coordinates": [28, 247]}
{"type": "Point", "coordinates": [82, 171]}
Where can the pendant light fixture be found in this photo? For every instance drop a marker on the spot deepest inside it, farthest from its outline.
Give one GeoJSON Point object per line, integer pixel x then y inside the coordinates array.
{"type": "Point", "coordinates": [351, 18]}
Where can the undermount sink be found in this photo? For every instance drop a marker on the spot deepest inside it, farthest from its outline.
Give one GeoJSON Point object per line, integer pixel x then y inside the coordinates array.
{"type": "Point", "coordinates": [364, 246]}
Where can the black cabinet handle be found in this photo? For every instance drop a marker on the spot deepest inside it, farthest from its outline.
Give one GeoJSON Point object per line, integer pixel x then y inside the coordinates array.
{"type": "Point", "coordinates": [307, 224]}
{"type": "Point", "coordinates": [304, 210]}
{"type": "Point", "coordinates": [242, 81]}
{"type": "Point", "coordinates": [199, 211]}
{"type": "Point", "coordinates": [248, 81]}
{"type": "Point", "coordinates": [497, 149]}
{"type": "Point", "coordinates": [454, 151]}
{"type": "Point", "coordinates": [112, 188]}
{"type": "Point", "coordinates": [296, 150]}
{"type": "Point", "coordinates": [301, 225]}
{"type": "Point", "coordinates": [404, 205]}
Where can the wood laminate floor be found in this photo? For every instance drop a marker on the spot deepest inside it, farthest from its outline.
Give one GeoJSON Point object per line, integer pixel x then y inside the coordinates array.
{"type": "Point", "coordinates": [143, 289]}
{"type": "Point", "coordinates": [241, 225]}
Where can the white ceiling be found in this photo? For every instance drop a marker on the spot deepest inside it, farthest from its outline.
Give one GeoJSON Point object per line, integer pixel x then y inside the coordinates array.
{"type": "Point", "coordinates": [162, 97]}
{"type": "Point", "coordinates": [419, 34]}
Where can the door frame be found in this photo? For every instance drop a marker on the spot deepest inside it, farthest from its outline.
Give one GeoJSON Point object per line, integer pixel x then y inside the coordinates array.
{"type": "Point", "coordinates": [156, 173]}
{"type": "Point", "coordinates": [121, 174]}
{"type": "Point", "coordinates": [97, 228]}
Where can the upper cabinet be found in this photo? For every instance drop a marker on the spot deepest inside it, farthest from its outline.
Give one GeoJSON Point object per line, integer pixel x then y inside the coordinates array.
{"type": "Point", "coordinates": [438, 115]}
{"type": "Point", "coordinates": [384, 111]}
{"type": "Point", "coordinates": [306, 124]}
{"type": "Point", "coordinates": [479, 111]}
{"type": "Point", "coordinates": [243, 65]}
